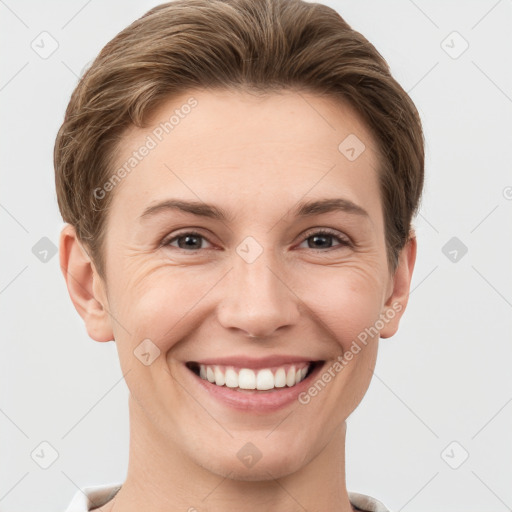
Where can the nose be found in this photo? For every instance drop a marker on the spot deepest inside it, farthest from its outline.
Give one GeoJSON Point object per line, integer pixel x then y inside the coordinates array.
{"type": "Point", "coordinates": [257, 299]}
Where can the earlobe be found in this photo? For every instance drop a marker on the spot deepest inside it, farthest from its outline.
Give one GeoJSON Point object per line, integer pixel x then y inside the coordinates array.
{"type": "Point", "coordinates": [85, 287]}
{"type": "Point", "coordinates": [396, 303]}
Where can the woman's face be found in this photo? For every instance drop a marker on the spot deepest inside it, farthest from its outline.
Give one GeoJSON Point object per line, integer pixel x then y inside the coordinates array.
{"type": "Point", "coordinates": [197, 285]}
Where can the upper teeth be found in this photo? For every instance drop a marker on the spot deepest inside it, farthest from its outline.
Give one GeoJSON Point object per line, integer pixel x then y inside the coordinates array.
{"type": "Point", "coordinates": [245, 378]}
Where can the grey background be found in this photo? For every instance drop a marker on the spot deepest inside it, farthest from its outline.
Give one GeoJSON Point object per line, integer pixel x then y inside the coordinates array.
{"type": "Point", "coordinates": [442, 387]}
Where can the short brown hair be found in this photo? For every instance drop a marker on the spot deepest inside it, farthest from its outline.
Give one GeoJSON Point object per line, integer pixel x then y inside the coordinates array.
{"type": "Point", "coordinates": [256, 45]}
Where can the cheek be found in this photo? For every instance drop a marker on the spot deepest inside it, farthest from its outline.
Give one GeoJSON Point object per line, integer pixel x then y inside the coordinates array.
{"type": "Point", "coordinates": [162, 302]}
{"type": "Point", "coordinates": [166, 302]}
{"type": "Point", "coordinates": [345, 301]}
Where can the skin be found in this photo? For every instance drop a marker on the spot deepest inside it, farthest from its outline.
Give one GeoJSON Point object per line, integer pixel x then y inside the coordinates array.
{"type": "Point", "coordinates": [256, 158]}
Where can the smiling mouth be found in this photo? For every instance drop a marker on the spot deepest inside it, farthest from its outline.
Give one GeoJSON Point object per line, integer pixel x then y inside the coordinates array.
{"type": "Point", "coordinates": [252, 380]}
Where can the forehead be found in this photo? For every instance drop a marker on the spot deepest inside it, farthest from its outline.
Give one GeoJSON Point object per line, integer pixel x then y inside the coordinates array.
{"type": "Point", "coordinates": [241, 148]}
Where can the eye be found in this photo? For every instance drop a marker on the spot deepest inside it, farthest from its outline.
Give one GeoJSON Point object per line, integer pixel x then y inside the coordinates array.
{"type": "Point", "coordinates": [325, 234]}
{"type": "Point", "coordinates": [191, 240]}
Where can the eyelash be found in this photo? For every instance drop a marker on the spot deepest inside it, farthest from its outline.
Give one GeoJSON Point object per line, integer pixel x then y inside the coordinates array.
{"type": "Point", "coordinates": [343, 242]}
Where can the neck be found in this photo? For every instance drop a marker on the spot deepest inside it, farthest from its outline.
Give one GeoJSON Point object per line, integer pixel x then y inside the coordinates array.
{"type": "Point", "coordinates": [162, 478]}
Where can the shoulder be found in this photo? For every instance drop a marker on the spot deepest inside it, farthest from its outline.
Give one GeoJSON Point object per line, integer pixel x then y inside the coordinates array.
{"type": "Point", "coordinates": [365, 503]}
{"type": "Point", "coordinates": [92, 497]}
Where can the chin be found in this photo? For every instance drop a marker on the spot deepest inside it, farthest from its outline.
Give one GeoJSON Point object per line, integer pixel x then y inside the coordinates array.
{"type": "Point", "coordinates": [276, 464]}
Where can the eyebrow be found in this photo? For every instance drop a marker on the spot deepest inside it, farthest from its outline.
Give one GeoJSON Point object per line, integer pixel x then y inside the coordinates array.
{"type": "Point", "coordinates": [303, 209]}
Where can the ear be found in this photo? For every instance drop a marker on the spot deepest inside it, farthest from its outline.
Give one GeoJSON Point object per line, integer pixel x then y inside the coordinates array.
{"type": "Point", "coordinates": [86, 289]}
{"type": "Point", "coordinates": [398, 289]}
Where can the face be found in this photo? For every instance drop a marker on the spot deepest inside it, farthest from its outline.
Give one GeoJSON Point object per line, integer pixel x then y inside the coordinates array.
{"type": "Point", "coordinates": [271, 284]}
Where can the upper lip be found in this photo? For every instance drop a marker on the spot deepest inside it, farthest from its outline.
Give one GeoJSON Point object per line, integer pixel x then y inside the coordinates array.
{"type": "Point", "coordinates": [248, 362]}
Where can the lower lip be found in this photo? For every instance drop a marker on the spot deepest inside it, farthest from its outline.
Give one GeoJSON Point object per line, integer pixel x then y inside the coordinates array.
{"type": "Point", "coordinates": [258, 401]}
